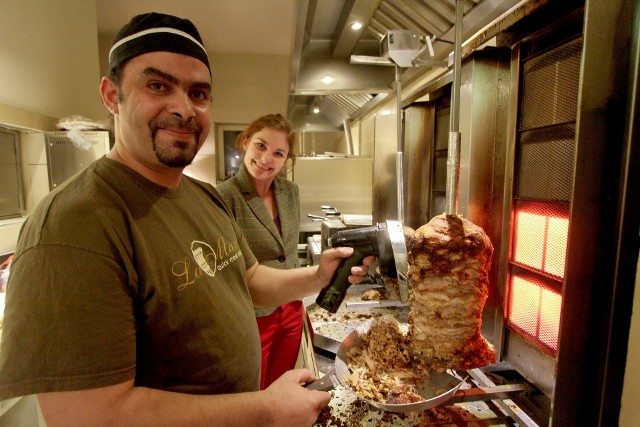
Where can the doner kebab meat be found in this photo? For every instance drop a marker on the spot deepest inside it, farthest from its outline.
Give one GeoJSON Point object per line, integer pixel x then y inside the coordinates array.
{"type": "Point", "coordinates": [449, 260]}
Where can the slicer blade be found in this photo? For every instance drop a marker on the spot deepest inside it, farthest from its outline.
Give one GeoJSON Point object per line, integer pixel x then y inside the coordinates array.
{"type": "Point", "coordinates": [399, 248]}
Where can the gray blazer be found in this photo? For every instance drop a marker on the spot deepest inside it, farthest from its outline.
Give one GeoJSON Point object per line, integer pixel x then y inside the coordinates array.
{"type": "Point", "coordinates": [260, 231]}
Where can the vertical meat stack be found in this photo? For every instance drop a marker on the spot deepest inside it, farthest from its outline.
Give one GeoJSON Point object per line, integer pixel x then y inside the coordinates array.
{"type": "Point", "coordinates": [449, 260]}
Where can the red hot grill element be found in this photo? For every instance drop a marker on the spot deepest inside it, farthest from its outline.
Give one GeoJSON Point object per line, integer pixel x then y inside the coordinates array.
{"type": "Point", "coordinates": [534, 310]}
{"type": "Point", "coordinates": [540, 238]}
{"type": "Point", "coordinates": [537, 270]}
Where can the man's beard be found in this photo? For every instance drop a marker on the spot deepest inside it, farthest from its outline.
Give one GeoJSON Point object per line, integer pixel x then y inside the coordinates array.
{"type": "Point", "coordinates": [178, 154]}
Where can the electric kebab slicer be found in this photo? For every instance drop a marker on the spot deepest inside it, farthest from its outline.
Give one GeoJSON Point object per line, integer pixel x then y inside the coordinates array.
{"type": "Point", "coordinates": [386, 241]}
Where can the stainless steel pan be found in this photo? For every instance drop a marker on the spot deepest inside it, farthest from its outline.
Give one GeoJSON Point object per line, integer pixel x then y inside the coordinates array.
{"type": "Point", "coordinates": [430, 389]}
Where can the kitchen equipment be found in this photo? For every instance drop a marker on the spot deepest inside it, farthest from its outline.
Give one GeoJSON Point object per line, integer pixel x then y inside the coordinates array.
{"type": "Point", "coordinates": [12, 202]}
{"type": "Point", "coordinates": [384, 240]}
{"type": "Point", "coordinates": [377, 304]}
{"type": "Point", "coordinates": [314, 249]}
{"type": "Point", "coordinates": [66, 157]}
{"type": "Point", "coordinates": [326, 344]}
{"type": "Point", "coordinates": [328, 228]}
{"type": "Point", "coordinates": [536, 138]}
{"type": "Point", "coordinates": [436, 389]}
{"type": "Point", "coordinates": [453, 156]}
{"type": "Point", "coordinates": [316, 217]}
{"type": "Point", "coordinates": [326, 382]}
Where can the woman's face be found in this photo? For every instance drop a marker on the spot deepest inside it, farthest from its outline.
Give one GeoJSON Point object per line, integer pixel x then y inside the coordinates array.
{"type": "Point", "coordinates": [266, 153]}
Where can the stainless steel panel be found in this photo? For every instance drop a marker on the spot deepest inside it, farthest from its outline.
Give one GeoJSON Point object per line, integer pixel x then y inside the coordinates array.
{"type": "Point", "coordinates": [385, 189]}
{"type": "Point", "coordinates": [419, 122]}
{"type": "Point", "coordinates": [535, 365]}
{"type": "Point", "coordinates": [65, 159]}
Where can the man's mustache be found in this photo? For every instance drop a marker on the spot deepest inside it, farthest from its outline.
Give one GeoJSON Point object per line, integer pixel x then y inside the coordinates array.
{"type": "Point", "coordinates": [176, 123]}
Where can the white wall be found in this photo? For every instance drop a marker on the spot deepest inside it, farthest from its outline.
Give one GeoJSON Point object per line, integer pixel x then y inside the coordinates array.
{"type": "Point", "coordinates": [248, 86]}
{"type": "Point", "coordinates": [49, 57]}
{"type": "Point", "coordinates": [245, 87]}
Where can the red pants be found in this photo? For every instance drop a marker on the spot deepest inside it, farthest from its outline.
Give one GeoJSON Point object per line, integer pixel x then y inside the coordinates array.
{"type": "Point", "coordinates": [280, 334]}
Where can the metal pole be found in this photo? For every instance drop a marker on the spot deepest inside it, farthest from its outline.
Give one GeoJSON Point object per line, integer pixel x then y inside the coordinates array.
{"type": "Point", "coordinates": [453, 157]}
{"type": "Point", "coordinates": [346, 125]}
{"type": "Point", "coordinates": [399, 165]}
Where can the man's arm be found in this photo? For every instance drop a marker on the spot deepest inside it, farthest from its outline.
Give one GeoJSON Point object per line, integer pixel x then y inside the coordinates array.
{"type": "Point", "coordinates": [271, 287]}
{"type": "Point", "coordinates": [284, 403]}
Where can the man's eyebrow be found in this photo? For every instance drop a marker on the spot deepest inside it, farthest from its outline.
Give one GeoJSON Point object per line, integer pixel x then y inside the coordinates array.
{"type": "Point", "coordinates": [172, 79]}
{"type": "Point", "coordinates": [166, 76]}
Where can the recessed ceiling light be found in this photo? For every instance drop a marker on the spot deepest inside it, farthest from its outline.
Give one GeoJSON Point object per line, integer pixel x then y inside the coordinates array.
{"type": "Point", "coordinates": [327, 80]}
{"type": "Point", "coordinates": [316, 110]}
{"type": "Point", "coordinates": [356, 25]}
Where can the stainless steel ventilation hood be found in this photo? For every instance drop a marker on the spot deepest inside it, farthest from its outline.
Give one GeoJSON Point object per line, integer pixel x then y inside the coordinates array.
{"type": "Point", "coordinates": [324, 44]}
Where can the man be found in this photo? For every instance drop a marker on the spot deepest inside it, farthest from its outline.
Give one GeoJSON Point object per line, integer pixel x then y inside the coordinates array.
{"type": "Point", "coordinates": [131, 295]}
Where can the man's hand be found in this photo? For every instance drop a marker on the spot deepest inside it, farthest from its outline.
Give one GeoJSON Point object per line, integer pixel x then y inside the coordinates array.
{"type": "Point", "coordinates": [330, 260]}
{"type": "Point", "coordinates": [296, 406]}
{"type": "Point", "coordinates": [272, 287]}
{"type": "Point", "coordinates": [284, 403]}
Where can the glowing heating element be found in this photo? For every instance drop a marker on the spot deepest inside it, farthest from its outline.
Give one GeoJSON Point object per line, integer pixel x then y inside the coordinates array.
{"type": "Point", "coordinates": [535, 310]}
{"type": "Point", "coordinates": [541, 242]}
{"type": "Point", "coordinates": [538, 256]}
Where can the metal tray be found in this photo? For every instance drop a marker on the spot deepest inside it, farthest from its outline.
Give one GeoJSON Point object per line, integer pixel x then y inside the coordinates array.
{"type": "Point", "coordinates": [435, 382]}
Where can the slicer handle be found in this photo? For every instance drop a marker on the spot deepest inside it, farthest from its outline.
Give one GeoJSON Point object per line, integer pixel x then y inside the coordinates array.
{"type": "Point", "coordinates": [331, 296]}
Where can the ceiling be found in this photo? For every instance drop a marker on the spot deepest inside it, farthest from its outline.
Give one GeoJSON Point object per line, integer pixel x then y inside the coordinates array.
{"type": "Point", "coordinates": [315, 34]}
{"type": "Point", "coordinates": [238, 26]}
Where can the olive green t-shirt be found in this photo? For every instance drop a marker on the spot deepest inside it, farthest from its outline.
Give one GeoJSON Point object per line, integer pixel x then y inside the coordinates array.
{"type": "Point", "coordinates": [115, 278]}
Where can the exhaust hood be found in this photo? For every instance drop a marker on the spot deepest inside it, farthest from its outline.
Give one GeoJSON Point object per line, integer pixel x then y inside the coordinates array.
{"type": "Point", "coordinates": [393, 30]}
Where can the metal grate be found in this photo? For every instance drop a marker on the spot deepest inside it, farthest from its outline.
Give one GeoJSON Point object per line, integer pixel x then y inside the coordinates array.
{"type": "Point", "coordinates": [545, 164]}
{"type": "Point", "coordinates": [430, 17]}
{"type": "Point", "coordinates": [337, 107]}
{"type": "Point", "coordinates": [542, 190]}
{"type": "Point", "coordinates": [550, 87]}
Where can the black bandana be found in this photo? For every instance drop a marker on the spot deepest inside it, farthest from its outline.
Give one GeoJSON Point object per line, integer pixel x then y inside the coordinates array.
{"type": "Point", "coordinates": [153, 32]}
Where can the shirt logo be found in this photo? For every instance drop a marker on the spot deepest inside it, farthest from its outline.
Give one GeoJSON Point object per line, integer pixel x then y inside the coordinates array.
{"type": "Point", "coordinates": [207, 261]}
{"type": "Point", "coordinates": [203, 254]}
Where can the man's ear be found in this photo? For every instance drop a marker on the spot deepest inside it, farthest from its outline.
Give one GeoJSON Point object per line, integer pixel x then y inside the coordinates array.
{"type": "Point", "coordinates": [109, 93]}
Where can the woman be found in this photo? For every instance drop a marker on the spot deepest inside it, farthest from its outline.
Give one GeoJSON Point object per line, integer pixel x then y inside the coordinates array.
{"type": "Point", "coordinates": [266, 205]}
